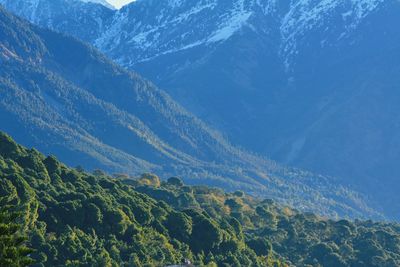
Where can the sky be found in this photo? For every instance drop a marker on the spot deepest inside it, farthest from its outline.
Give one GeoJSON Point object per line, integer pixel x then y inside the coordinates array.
{"type": "Point", "coordinates": [119, 3]}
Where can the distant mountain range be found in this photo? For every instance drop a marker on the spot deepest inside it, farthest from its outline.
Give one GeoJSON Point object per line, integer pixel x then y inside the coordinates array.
{"type": "Point", "coordinates": [312, 84]}
{"type": "Point", "coordinates": [65, 98]}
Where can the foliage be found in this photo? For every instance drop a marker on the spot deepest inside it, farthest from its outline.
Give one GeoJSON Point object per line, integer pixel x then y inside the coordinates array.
{"type": "Point", "coordinates": [13, 251]}
{"type": "Point", "coordinates": [73, 218]}
{"type": "Point", "coordinates": [273, 231]}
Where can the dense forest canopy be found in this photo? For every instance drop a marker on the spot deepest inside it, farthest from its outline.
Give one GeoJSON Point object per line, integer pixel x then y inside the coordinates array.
{"type": "Point", "coordinates": [74, 218]}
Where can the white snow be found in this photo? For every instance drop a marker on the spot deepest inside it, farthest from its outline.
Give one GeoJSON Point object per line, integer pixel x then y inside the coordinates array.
{"type": "Point", "coordinates": [102, 2]}
{"type": "Point", "coordinates": [147, 29]}
{"type": "Point", "coordinates": [235, 21]}
{"type": "Point", "coordinates": [306, 15]}
{"type": "Point", "coordinates": [205, 23]}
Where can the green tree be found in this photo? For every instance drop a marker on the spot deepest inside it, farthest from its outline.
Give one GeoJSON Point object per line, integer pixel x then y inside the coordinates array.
{"type": "Point", "coordinates": [261, 246]}
{"type": "Point", "coordinates": [179, 226]}
{"type": "Point", "coordinates": [13, 251]}
{"type": "Point", "coordinates": [175, 181]}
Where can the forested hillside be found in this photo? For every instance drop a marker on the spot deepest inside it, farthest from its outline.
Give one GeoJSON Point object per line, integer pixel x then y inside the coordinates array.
{"type": "Point", "coordinates": [74, 218]}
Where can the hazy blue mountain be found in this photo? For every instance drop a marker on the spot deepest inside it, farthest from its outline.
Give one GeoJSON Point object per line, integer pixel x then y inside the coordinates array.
{"type": "Point", "coordinates": [309, 83]}
{"type": "Point", "coordinates": [65, 98]}
{"type": "Point", "coordinates": [86, 20]}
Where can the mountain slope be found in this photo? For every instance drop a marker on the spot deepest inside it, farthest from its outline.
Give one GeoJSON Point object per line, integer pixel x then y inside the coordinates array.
{"type": "Point", "coordinates": [85, 19]}
{"type": "Point", "coordinates": [102, 2]}
{"type": "Point", "coordinates": [66, 98]}
{"type": "Point", "coordinates": [308, 83]}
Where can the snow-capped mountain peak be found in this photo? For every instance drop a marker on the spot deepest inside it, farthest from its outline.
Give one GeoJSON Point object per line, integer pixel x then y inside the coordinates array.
{"type": "Point", "coordinates": [146, 29]}
{"type": "Point", "coordinates": [151, 28]}
{"type": "Point", "coordinates": [176, 25]}
{"type": "Point", "coordinates": [102, 2]}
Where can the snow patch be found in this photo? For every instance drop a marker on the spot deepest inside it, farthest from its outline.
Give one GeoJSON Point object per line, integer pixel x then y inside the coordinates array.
{"type": "Point", "coordinates": [177, 25]}
{"type": "Point", "coordinates": [305, 15]}
{"type": "Point", "coordinates": [101, 2]}
{"type": "Point", "coordinates": [235, 22]}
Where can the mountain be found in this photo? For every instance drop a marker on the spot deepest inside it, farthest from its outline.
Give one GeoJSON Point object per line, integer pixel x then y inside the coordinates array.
{"type": "Point", "coordinates": [308, 83]}
{"type": "Point", "coordinates": [71, 217]}
{"type": "Point", "coordinates": [69, 15]}
{"type": "Point", "coordinates": [66, 98]}
{"type": "Point", "coordinates": [101, 2]}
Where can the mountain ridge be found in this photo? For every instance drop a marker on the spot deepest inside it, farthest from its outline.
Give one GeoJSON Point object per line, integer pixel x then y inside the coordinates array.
{"type": "Point", "coordinates": [292, 20]}
{"type": "Point", "coordinates": [101, 2]}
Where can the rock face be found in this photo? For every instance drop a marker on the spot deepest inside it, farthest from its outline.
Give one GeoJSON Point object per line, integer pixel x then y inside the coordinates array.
{"type": "Point", "coordinates": [309, 83]}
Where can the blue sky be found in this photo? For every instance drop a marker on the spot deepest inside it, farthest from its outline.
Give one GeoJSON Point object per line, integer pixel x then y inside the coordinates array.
{"type": "Point", "coordinates": [119, 3]}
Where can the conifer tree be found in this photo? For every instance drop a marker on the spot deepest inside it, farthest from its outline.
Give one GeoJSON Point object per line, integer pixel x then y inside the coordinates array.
{"type": "Point", "coordinates": [13, 250]}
